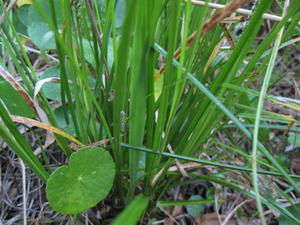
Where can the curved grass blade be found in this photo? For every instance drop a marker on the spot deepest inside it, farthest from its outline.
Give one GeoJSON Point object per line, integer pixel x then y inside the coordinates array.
{"type": "Point", "coordinates": [262, 95]}
{"type": "Point", "coordinates": [48, 127]}
{"type": "Point", "coordinates": [204, 162]}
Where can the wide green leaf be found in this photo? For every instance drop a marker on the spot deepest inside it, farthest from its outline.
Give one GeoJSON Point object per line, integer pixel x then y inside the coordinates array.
{"type": "Point", "coordinates": [195, 210]}
{"type": "Point", "coordinates": [41, 35]}
{"type": "Point", "coordinates": [294, 139]}
{"type": "Point", "coordinates": [51, 90]}
{"type": "Point", "coordinates": [84, 182]}
{"type": "Point", "coordinates": [38, 31]}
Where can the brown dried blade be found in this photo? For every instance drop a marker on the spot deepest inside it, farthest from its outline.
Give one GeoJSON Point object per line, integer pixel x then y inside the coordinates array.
{"type": "Point", "coordinates": [16, 85]}
{"type": "Point", "coordinates": [217, 18]}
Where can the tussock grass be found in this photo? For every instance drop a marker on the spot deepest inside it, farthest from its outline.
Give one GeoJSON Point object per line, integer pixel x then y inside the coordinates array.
{"type": "Point", "coordinates": [161, 80]}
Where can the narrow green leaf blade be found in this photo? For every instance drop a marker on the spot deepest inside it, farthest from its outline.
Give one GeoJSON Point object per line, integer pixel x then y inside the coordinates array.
{"type": "Point", "coordinates": [133, 212]}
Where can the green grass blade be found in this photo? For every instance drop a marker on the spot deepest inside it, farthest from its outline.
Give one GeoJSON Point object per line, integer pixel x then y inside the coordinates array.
{"type": "Point", "coordinates": [257, 121]}
{"type": "Point", "coordinates": [18, 144]}
{"type": "Point", "coordinates": [204, 162]}
{"type": "Point", "coordinates": [138, 91]}
{"type": "Point", "coordinates": [185, 202]}
{"type": "Point", "coordinates": [234, 119]}
{"type": "Point", "coordinates": [133, 212]}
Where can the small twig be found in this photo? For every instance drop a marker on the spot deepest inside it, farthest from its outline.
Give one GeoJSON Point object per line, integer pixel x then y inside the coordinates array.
{"type": "Point", "coordinates": [23, 168]}
{"type": "Point", "coordinates": [86, 216]}
{"type": "Point", "coordinates": [234, 210]}
{"type": "Point", "coordinates": [245, 12]}
{"type": "Point", "coordinates": [180, 168]}
{"type": "Point", "coordinates": [168, 214]}
{"type": "Point", "coordinates": [39, 52]}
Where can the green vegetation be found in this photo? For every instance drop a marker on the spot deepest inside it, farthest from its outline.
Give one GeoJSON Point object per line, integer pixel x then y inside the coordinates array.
{"type": "Point", "coordinates": [81, 185]}
{"type": "Point", "coordinates": [155, 84]}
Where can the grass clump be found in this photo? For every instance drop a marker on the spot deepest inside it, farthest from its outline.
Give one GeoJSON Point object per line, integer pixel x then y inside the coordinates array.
{"type": "Point", "coordinates": [157, 84]}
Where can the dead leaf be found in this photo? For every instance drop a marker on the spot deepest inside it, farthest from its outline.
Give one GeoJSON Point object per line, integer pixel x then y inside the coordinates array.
{"type": "Point", "coordinates": [40, 83]}
{"type": "Point", "coordinates": [23, 2]}
{"type": "Point", "coordinates": [221, 14]}
{"type": "Point", "coordinates": [176, 211]}
{"type": "Point", "coordinates": [27, 121]}
{"type": "Point", "coordinates": [33, 103]}
{"type": "Point", "coordinates": [178, 164]}
{"type": "Point", "coordinates": [213, 55]}
{"type": "Point", "coordinates": [217, 18]}
{"type": "Point", "coordinates": [187, 166]}
{"type": "Point", "coordinates": [212, 219]}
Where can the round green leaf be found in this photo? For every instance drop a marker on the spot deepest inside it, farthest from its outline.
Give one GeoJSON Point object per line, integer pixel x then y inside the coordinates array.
{"type": "Point", "coordinates": [18, 23]}
{"type": "Point", "coordinates": [22, 14]}
{"type": "Point", "coordinates": [35, 14]}
{"type": "Point", "coordinates": [294, 139]}
{"type": "Point", "coordinates": [41, 35]}
{"type": "Point", "coordinates": [38, 30]}
{"type": "Point", "coordinates": [195, 210]}
{"type": "Point", "coordinates": [51, 90]}
{"type": "Point", "coordinates": [120, 11]}
{"type": "Point", "coordinates": [81, 185]}
{"type": "Point", "coordinates": [88, 51]}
